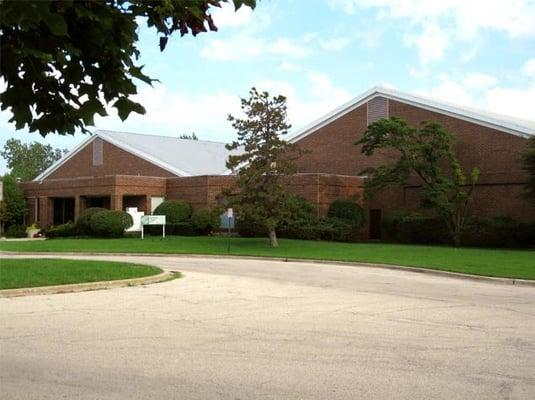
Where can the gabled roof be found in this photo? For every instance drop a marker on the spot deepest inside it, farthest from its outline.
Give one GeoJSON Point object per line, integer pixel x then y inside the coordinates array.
{"type": "Point", "coordinates": [515, 126]}
{"type": "Point", "coordinates": [182, 157]}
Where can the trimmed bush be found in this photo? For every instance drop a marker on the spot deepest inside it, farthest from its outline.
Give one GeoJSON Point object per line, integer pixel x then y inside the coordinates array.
{"type": "Point", "coordinates": [489, 232]}
{"type": "Point", "coordinates": [391, 221]}
{"type": "Point", "coordinates": [15, 231]}
{"type": "Point", "coordinates": [348, 210]}
{"type": "Point", "coordinates": [423, 230]}
{"type": "Point", "coordinates": [110, 223]}
{"type": "Point", "coordinates": [204, 221]}
{"type": "Point", "coordinates": [83, 223]}
{"type": "Point", "coordinates": [175, 211]}
{"type": "Point", "coordinates": [65, 230]}
{"type": "Point", "coordinates": [524, 234]}
{"type": "Point", "coordinates": [250, 228]}
{"type": "Point", "coordinates": [181, 229]}
{"type": "Point", "coordinates": [340, 230]}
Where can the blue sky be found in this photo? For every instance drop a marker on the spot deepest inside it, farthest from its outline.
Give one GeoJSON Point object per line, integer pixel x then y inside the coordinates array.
{"type": "Point", "coordinates": [321, 53]}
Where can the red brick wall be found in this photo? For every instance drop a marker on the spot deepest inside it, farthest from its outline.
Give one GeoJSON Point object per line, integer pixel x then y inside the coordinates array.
{"type": "Point", "coordinates": [495, 153]}
{"type": "Point", "coordinates": [116, 162]}
{"type": "Point", "coordinates": [319, 189]}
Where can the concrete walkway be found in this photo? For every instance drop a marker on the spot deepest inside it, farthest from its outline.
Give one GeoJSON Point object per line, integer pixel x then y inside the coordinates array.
{"type": "Point", "coordinates": [259, 329]}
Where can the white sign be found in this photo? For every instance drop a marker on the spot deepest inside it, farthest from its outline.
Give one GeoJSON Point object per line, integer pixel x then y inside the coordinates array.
{"type": "Point", "coordinates": [230, 213]}
{"type": "Point", "coordinates": [136, 219]}
{"type": "Point", "coordinates": [153, 220]}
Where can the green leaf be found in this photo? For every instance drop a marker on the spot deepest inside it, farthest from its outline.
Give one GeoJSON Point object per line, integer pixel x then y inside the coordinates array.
{"type": "Point", "coordinates": [57, 25]}
{"type": "Point", "coordinates": [125, 106]}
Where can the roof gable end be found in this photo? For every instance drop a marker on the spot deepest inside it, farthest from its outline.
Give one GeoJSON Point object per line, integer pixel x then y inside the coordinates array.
{"type": "Point", "coordinates": [494, 121]}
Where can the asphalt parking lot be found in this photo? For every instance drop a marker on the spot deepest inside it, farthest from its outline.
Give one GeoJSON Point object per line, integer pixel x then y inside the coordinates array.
{"type": "Point", "coordinates": [258, 329]}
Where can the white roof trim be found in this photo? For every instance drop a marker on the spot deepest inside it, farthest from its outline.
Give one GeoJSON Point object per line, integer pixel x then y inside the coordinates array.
{"type": "Point", "coordinates": [421, 102]}
{"type": "Point", "coordinates": [117, 143]}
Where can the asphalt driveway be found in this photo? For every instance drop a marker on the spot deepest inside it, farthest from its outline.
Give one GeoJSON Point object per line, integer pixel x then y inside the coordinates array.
{"type": "Point", "coordinates": [247, 329]}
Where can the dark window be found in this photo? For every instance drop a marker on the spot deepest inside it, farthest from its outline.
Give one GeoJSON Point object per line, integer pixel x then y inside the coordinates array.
{"type": "Point", "coordinates": [101, 202]}
{"type": "Point", "coordinates": [375, 224]}
{"type": "Point", "coordinates": [63, 210]}
{"type": "Point", "coordinates": [97, 152]}
{"type": "Point", "coordinates": [377, 109]}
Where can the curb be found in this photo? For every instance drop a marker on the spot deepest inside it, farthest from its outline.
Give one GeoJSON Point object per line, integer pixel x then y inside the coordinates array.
{"type": "Point", "coordinates": [422, 270]}
{"type": "Point", "coordinates": [88, 286]}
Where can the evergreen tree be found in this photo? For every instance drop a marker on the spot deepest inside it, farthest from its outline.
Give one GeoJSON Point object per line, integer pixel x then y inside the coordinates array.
{"type": "Point", "coordinates": [262, 161]}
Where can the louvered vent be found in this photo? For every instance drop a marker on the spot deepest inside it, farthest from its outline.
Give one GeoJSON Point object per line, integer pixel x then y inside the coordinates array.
{"type": "Point", "coordinates": [377, 109]}
{"type": "Point", "coordinates": [97, 152]}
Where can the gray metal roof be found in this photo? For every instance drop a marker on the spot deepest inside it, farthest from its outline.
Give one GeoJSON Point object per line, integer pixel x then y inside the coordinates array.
{"type": "Point", "coordinates": [185, 157]}
{"type": "Point", "coordinates": [182, 157]}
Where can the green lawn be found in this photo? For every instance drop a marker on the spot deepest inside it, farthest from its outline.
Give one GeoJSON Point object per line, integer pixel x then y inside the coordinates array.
{"type": "Point", "coordinates": [22, 273]}
{"type": "Point", "coordinates": [491, 262]}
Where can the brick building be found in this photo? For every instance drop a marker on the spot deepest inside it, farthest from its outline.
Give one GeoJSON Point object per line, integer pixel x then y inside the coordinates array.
{"type": "Point", "coordinates": [118, 170]}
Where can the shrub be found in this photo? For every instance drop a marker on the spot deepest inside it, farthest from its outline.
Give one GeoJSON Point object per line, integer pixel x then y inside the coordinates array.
{"type": "Point", "coordinates": [65, 230]}
{"type": "Point", "coordinates": [83, 223]}
{"type": "Point", "coordinates": [181, 229]}
{"type": "Point", "coordinates": [524, 234]}
{"type": "Point", "coordinates": [423, 230]}
{"type": "Point", "coordinates": [15, 231]}
{"type": "Point", "coordinates": [110, 223]}
{"type": "Point", "coordinates": [339, 230]}
{"type": "Point", "coordinates": [489, 232]}
{"type": "Point", "coordinates": [204, 221]}
{"type": "Point", "coordinates": [345, 209]}
{"type": "Point", "coordinates": [391, 221]}
{"type": "Point", "coordinates": [175, 211]}
{"type": "Point", "coordinates": [250, 228]}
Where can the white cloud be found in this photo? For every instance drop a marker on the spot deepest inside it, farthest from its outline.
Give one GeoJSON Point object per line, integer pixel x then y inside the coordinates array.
{"type": "Point", "coordinates": [477, 80]}
{"type": "Point", "coordinates": [334, 44]}
{"type": "Point", "coordinates": [172, 112]}
{"type": "Point", "coordinates": [303, 107]}
{"type": "Point", "coordinates": [435, 24]}
{"type": "Point", "coordinates": [243, 48]}
{"type": "Point", "coordinates": [169, 112]}
{"type": "Point", "coordinates": [288, 66]}
{"type": "Point", "coordinates": [512, 101]}
{"type": "Point", "coordinates": [227, 16]}
{"type": "Point", "coordinates": [529, 68]}
{"type": "Point", "coordinates": [431, 42]}
{"type": "Point", "coordinates": [515, 17]}
{"type": "Point", "coordinates": [485, 92]}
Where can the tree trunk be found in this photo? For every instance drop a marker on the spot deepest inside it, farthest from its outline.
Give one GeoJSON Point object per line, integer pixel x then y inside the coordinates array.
{"type": "Point", "coordinates": [273, 238]}
{"type": "Point", "coordinates": [457, 239]}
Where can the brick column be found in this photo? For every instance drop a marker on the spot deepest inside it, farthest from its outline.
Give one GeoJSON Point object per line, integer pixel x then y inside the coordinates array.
{"type": "Point", "coordinates": [148, 204]}
{"type": "Point", "coordinates": [116, 202]}
{"type": "Point", "coordinates": [77, 206]}
{"type": "Point", "coordinates": [46, 212]}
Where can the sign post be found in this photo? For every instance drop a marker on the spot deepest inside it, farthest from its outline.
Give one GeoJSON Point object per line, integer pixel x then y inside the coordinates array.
{"type": "Point", "coordinates": [230, 215]}
{"type": "Point", "coordinates": [152, 220]}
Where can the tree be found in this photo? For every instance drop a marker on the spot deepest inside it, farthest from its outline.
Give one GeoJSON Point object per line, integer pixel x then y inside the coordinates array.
{"type": "Point", "coordinates": [192, 136]}
{"type": "Point", "coordinates": [259, 194]}
{"type": "Point", "coordinates": [65, 61]}
{"type": "Point", "coordinates": [528, 165]}
{"type": "Point", "coordinates": [13, 208]}
{"type": "Point", "coordinates": [428, 153]}
{"type": "Point", "coordinates": [26, 161]}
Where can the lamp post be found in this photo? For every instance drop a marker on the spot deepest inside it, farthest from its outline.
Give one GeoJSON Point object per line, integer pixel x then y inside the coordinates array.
{"type": "Point", "coordinates": [230, 214]}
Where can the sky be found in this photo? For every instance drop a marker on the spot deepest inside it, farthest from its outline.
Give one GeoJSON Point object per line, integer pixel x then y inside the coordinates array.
{"type": "Point", "coordinates": [322, 53]}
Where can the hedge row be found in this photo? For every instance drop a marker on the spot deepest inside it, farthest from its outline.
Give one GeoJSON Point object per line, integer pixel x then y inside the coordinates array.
{"type": "Point", "coordinates": [98, 222]}
{"type": "Point", "coordinates": [183, 221]}
{"type": "Point", "coordinates": [410, 227]}
{"type": "Point", "coordinates": [344, 221]}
